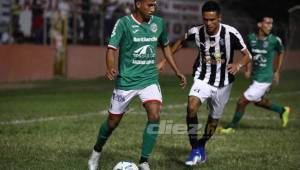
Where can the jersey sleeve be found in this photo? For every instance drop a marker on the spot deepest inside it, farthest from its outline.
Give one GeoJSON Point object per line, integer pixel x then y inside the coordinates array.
{"type": "Point", "coordinates": [163, 38]}
{"type": "Point", "coordinates": [237, 40]}
{"type": "Point", "coordinates": [116, 34]}
{"type": "Point", "coordinates": [190, 34]}
{"type": "Point", "coordinates": [278, 45]}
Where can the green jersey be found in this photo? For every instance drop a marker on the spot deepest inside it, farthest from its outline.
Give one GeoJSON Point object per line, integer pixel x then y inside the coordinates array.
{"type": "Point", "coordinates": [263, 53]}
{"type": "Point", "coordinates": [137, 43]}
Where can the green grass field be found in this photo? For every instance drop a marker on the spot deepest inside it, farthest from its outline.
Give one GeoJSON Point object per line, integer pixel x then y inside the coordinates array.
{"type": "Point", "coordinates": [48, 125]}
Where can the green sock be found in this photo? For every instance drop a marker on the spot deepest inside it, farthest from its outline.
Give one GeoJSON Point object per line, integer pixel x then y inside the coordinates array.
{"type": "Point", "coordinates": [276, 108]}
{"type": "Point", "coordinates": [149, 139]}
{"type": "Point", "coordinates": [235, 120]}
{"type": "Point", "coordinates": [103, 135]}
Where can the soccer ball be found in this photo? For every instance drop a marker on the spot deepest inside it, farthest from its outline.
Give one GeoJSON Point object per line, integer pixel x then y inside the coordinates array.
{"type": "Point", "coordinates": [125, 165]}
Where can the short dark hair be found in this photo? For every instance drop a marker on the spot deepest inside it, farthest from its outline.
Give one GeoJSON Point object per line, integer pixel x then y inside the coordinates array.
{"type": "Point", "coordinates": [261, 18]}
{"type": "Point", "coordinates": [211, 6]}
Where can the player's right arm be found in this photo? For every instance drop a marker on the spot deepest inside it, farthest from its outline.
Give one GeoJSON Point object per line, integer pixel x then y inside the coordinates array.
{"type": "Point", "coordinates": [248, 69]}
{"type": "Point", "coordinates": [111, 72]}
{"type": "Point", "coordinates": [113, 45]}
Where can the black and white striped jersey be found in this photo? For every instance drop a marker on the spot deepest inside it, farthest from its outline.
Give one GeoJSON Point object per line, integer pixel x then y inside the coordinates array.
{"type": "Point", "coordinates": [215, 53]}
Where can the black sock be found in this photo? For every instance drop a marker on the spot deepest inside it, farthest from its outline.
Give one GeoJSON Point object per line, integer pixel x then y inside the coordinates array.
{"type": "Point", "coordinates": [143, 159]}
{"type": "Point", "coordinates": [192, 127]}
{"type": "Point", "coordinates": [97, 148]}
{"type": "Point", "coordinates": [210, 129]}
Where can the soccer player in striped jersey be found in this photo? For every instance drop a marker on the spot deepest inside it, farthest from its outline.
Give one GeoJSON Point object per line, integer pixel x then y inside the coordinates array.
{"type": "Point", "coordinates": [265, 48]}
{"type": "Point", "coordinates": [137, 36]}
{"type": "Point", "coordinates": [214, 72]}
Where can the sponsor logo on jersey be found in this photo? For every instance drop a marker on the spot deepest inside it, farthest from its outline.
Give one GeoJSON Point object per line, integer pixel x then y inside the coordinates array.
{"type": "Point", "coordinates": [259, 51]}
{"type": "Point", "coordinates": [214, 61]}
{"type": "Point", "coordinates": [134, 26]}
{"type": "Point", "coordinates": [144, 55]}
{"type": "Point", "coordinates": [260, 60]}
{"type": "Point", "coordinates": [142, 62]}
{"type": "Point", "coordinates": [153, 27]}
{"type": "Point", "coordinates": [144, 50]}
{"type": "Point", "coordinates": [217, 55]}
{"type": "Point", "coordinates": [217, 60]}
{"type": "Point", "coordinates": [144, 39]}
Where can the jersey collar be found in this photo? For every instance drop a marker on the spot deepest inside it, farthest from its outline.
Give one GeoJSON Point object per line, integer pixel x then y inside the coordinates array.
{"type": "Point", "coordinates": [138, 21]}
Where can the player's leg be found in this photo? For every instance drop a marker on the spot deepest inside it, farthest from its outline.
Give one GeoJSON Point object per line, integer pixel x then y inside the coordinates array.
{"type": "Point", "coordinates": [192, 120]}
{"type": "Point", "coordinates": [119, 104]}
{"type": "Point", "coordinates": [281, 110]}
{"type": "Point", "coordinates": [216, 105]}
{"type": "Point", "coordinates": [199, 92]}
{"type": "Point", "coordinates": [106, 129]}
{"type": "Point", "coordinates": [104, 132]}
{"type": "Point", "coordinates": [254, 93]}
{"type": "Point", "coordinates": [238, 114]}
{"type": "Point", "coordinates": [152, 99]}
{"type": "Point", "coordinates": [192, 128]}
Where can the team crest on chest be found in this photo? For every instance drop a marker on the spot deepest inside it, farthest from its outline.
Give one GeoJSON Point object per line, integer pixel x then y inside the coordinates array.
{"type": "Point", "coordinates": [265, 44]}
{"type": "Point", "coordinates": [153, 27]}
{"type": "Point", "coordinates": [222, 42]}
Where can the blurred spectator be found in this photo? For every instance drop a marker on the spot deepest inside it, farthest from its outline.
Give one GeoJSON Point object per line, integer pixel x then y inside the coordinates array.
{"type": "Point", "coordinates": [57, 38]}
{"type": "Point", "coordinates": [109, 18]}
{"type": "Point", "coordinates": [64, 8]}
{"type": "Point", "coordinates": [18, 36]}
{"type": "Point", "coordinates": [6, 38]}
{"type": "Point", "coordinates": [25, 20]}
{"type": "Point", "coordinates": [16, 9]}
{"type": "Point", "coordinates": [85, 7]}
{"type": "Point", "coordinates": [37, 22]}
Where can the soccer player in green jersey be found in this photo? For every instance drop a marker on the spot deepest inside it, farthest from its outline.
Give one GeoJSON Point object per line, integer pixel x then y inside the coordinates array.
{"type": "Point", "coordinates": [264, 47]}
{"type": "Point", "coordinates": [137, 37]}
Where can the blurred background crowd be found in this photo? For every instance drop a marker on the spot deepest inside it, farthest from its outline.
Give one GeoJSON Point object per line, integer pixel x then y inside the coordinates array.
{"type": "Point", "coordinates": [46, 21]}
{"type": "Point", "coordinates": [89, 22]}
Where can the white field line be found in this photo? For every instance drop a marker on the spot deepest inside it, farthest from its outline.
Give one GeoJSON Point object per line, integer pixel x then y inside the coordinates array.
{"type": "Point", "coordinates": [133, 111]}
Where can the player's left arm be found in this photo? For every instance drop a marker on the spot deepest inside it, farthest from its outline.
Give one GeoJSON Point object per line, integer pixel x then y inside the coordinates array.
{"type": "Point", "coordinates": [174, 48]}
{"type": "Point", "coordinates": [164, 42]}
{"type": "Point", "coordinates": [278, 61]}
{"type": "Point", "coordinates": [239, 44]}
{"type": "Point", "coordinates": [277, 68]}
{"type": "Point", "coordinates": [188, 36]}
{"type": "Point", "coordinates": [243, 61]}
{"type": "Point", "coordinates": [169, 58]}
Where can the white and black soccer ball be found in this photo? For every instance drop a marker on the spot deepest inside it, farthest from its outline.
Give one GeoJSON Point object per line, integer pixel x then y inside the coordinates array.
{"type": "Point", "coordinates": [126, 165]}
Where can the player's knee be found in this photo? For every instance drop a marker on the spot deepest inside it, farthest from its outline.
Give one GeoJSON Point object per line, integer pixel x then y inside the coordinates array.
{"type": "Point", "coordinates": [259, 104]}
{"type": "Point", "coordinates": [154, 117]}
{"type": "Point", "coordinates": [113, 125]}
{"type": "Point", "coordinates": [113, 121]}
{"type": "Point", "coordinates": [192, 110]}
{"type": "Point", "coordinates": [242, 101]}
